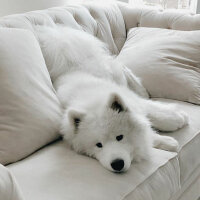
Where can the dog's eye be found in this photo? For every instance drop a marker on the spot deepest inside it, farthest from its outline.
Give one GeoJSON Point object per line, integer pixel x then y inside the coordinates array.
{"type": "Point", "coordinates": [99, 145]}
{"type": "Point", "coordinates": [119, 137]}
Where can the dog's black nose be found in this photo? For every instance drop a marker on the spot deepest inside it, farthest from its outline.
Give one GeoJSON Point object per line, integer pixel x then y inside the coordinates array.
{"type": "Point", "coordinates": [117, 164]}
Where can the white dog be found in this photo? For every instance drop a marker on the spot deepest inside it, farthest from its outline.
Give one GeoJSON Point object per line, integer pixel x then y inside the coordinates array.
{"type": "Point", "coordinates": [105, 116]}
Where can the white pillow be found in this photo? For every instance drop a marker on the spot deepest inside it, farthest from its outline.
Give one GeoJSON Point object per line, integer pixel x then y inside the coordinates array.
{"type": "Point", "coordinates": [29, 109]}
{"type": "Point", "coordinates": [167, 61]}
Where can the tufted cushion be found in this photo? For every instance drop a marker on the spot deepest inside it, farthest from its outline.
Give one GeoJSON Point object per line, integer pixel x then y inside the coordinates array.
{"type": "Point", "coordinates": [108, 22]}
{"type": "Point", "coordinates": [168, 19]}
{"type": "Point", "coordinates": [105, 22]}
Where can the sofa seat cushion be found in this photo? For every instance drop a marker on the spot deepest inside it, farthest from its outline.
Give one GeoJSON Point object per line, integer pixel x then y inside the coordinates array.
{"type": "Point", "coordinates": [189, 140]}
{"type": "Point", "coordinates": [56, 171]}
{"type": "Point", "coordinates": [9, 189]}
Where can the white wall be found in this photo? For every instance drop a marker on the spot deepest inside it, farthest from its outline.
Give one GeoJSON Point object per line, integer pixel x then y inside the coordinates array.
{"type": "Point", "coordinates": [19, 6]}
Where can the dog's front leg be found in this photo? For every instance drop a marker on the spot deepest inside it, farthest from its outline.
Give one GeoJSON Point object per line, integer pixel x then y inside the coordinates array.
{"type": "Point", "coordinates": [165, 117]}
{"type": "Point", "coordinates": [165, 143]}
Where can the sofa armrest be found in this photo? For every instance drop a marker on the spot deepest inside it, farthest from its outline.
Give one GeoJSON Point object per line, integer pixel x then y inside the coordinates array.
{"type": "Point", "coordinates": [9, 190]}
{"type": "Point", "coordinates": [150, 17]}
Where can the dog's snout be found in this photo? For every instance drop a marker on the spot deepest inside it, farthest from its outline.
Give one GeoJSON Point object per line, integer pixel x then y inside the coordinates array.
{"type": "Point", "coordinates": [117, 165]}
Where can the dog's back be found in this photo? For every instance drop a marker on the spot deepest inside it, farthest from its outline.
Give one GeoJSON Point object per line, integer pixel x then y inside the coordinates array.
{"type": "Point", "coordinates": [76, 59]}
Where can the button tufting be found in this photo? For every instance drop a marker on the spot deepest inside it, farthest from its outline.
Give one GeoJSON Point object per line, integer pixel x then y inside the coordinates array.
{"type": "Point", "coordinates": [106, 23]}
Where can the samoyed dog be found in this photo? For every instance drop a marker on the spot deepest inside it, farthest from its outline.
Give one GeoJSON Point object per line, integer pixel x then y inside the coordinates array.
{"type": "Point", "coordinates": [107, 113]}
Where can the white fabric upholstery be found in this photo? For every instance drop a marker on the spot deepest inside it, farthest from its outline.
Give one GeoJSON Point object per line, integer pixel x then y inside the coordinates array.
{"type": "Point", "coordinates": [189, 190]}
{"type": "Point", "coordinates": [189, 140]}
{"type": "Point", "coordinates": [9, 189]}
{"type": "Point", "coordinates": [167, 62]}
{"type": "Point", "coordinates": [105, 22]}
{"type": "Point", "coordinates": [30, 110]}
{"type": "Point", "coordinates": [57, 171]}
{"type": "Point", "coordinates": [168, 19]}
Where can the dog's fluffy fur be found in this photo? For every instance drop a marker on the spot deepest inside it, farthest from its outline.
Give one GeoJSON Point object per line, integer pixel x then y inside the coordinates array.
{"type": "Point", "coordinates": [105, 113]}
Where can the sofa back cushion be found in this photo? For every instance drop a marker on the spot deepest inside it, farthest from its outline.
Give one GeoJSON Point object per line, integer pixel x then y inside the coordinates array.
{"type": "Point", "coordinates": [167, 61]}
{"type": "Point", "coordinates": [29, 109]}
{"type": "Point", "coordinates": [104, 21]}
{"type": "Point", "coordinates": [174, 19]}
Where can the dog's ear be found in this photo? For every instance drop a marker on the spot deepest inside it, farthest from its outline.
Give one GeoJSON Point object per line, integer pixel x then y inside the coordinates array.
{"type": "Point", "coordinates": [116, 103]}
{"type": "Point", "coordinates": [75, 118]}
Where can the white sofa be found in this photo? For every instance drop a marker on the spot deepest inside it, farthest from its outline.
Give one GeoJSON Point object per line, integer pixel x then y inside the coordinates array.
{"type": "Point", "coordinates": [55, 172]}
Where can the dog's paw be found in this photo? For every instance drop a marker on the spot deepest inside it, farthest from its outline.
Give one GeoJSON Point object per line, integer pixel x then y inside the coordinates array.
{"type": "Point", "coordinates": [167, 143]}
{"type": "Point", "coordinates": [180, 119]}
{"type": "Point", "coordinates": [173, 121]}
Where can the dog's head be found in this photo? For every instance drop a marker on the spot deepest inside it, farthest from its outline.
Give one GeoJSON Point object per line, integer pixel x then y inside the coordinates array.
{"type": "Point", "coordinates": [115, 134]}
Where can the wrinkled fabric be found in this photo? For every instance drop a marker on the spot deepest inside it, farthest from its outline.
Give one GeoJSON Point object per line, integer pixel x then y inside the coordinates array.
{"type": "Point", "coordinates": [30, 110]}
{"type": "Point", "coordinates": [166, 61]}
{"type": "Point", "coordinates": [167, 19]}
{"type": "Point", "coordinates": [56, 171]}
{"type": "Point", "coordinates": [189, 140]}
{"type": "Point", "coordinates": [9, 189]}
{"type": "Point", "coordinates": [103, 21]}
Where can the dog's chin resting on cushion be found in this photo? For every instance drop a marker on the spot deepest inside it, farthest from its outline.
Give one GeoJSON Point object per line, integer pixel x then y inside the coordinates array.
{"type": "Point", "coordinates": [107, 114]}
